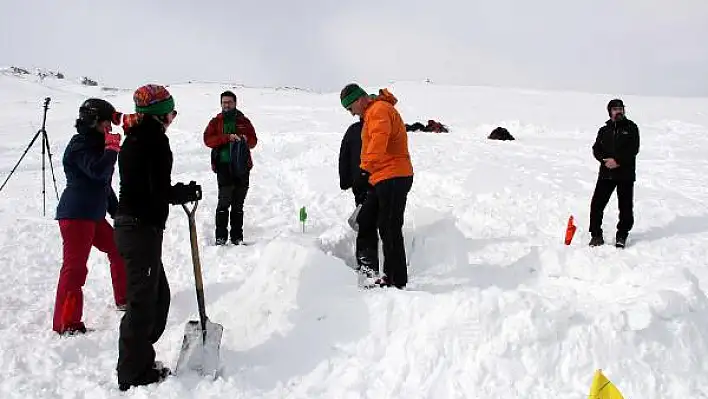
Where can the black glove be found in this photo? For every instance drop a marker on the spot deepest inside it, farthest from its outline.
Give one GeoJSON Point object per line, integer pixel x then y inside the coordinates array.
{"type": "Point", "coordinates": [182, 194]}
{"type": "Point", "coordinates": [361, 181]}
{"type": "Point", "coordinates": [360, 197]}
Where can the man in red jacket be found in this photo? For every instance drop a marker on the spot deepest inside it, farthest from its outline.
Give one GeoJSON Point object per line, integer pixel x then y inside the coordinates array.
{"type": "Point", "coordinates": [231, 136]}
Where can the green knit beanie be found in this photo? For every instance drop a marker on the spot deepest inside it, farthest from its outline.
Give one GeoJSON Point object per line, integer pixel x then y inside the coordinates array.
{"type": "Point", "coordinates": [350, 93]}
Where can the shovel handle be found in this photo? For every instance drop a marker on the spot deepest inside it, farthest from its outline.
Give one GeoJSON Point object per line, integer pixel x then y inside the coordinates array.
{"type": "Point", "coordinates": [196, 263]}
{"type": "Point", "coordinates": [191, 212]}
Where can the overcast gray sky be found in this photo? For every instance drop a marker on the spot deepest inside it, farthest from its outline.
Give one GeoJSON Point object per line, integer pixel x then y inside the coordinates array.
{"type": "Point", "coordinates": [618, 46]}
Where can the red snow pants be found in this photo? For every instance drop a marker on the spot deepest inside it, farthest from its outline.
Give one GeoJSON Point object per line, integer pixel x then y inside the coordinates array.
{"type": "Point", "coordinates": [78, 237]}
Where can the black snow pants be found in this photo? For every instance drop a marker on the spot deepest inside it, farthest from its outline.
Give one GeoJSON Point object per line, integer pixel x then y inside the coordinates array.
{"type": "Point", "coordinates": [625, 199]}
{"type": "Point", "coordinates": [388, 204]}
{"type": "Point", "coordinates": [148, 296]}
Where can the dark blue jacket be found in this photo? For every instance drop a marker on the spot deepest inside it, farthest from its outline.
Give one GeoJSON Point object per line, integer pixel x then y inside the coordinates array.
{"type": "Point", "coordinates": [89, 169]}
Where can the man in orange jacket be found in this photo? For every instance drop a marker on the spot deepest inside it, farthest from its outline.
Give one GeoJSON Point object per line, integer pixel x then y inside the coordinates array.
{"type": "Point", "coordinates": [386, 165]}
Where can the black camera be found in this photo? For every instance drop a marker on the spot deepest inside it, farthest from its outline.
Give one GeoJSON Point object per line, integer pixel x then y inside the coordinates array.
{"type": "Point", "coordinates": [184, 193]}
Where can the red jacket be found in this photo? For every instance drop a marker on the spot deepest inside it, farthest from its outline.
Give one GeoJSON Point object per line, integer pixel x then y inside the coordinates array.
{"type": "Point", "coordinates": [214, 136]}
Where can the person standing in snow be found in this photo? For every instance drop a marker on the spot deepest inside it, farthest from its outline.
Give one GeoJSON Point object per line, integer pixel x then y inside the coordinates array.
{"type": "Point", "coordinates": [367, 239]}
{"type": "Point", "coordinates": [385, 165]}
{"type": "Point", "coordinates": [89, 161]}
{"type": "Point", "coordinates": [145, 167]}
{"type": "Point", "coordinates": [231, 137]}
{"type": "Point", "coordinates": [616, 148]}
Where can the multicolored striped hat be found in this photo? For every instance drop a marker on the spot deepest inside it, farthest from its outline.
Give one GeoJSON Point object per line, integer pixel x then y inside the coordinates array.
{"type": "Point", "coordinates": [153, 99]}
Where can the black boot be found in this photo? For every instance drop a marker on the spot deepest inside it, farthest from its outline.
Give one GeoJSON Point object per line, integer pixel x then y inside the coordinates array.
{"type": "Point", "coordinates": [236, 226]}
{"type": "Point", "coordinates": [596, 241]}
{"type": "Point", "coordinates": [221, 221]}
{"type": "Point", "coordinates": [156, 374]}
{"type": "Point", "coordinates": [368, 261]}
{"type": "Point", "coordinates": [621, 240]}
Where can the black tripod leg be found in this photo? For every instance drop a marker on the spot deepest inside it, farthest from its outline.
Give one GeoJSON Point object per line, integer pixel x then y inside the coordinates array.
{"type": "Point", "coordinates": [44, 186]}
{"type": "Point", "coordinates": [20, 160]}
{"type": "Point", "coordinates": [51, 166]}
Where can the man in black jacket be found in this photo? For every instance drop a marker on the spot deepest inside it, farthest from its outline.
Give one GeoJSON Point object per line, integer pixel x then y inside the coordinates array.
{"type": "Point", "coordinates": [367, 239]}
{"type": "Point", "coordinates": [145, 165]}
{"type": "Point", "coordinates": [616, 148]}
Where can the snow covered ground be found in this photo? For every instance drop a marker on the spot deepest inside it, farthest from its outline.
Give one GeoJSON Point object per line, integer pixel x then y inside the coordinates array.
{"type": "Point", "coordinates": [497, 306]}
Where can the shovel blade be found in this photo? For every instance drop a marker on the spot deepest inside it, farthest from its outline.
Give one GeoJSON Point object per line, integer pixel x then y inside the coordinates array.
{"type": "Point", "coordinates": [198, 354]}
{"type": "Point", "coordinates": [353, 219]}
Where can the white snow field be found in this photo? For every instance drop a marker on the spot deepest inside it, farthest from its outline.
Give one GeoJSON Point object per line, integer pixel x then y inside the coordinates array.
{"type": "Point", "coordinates": [497, 305]}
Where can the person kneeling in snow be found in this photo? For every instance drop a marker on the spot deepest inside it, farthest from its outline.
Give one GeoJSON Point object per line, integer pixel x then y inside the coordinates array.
{"type": "Point", "coordinates": [367, 239]}
{"type": "Point", "coordinates": [89, 161]}
{"type": "Point", "coordinates": [145, 165]}
{"type": "Point", "coordinates": [386, 165]}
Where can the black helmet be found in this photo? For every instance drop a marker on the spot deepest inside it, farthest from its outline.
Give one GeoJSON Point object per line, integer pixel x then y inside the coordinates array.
{"type": "Point", "coordinates": [96, 110]}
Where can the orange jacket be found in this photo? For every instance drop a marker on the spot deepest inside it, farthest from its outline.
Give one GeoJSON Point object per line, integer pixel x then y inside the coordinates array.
{"type": "Point", "coordinates": [384, 141]}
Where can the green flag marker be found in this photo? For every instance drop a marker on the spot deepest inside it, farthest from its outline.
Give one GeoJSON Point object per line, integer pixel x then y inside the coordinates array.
{"type": "Point", "coordinates": [303, 217]}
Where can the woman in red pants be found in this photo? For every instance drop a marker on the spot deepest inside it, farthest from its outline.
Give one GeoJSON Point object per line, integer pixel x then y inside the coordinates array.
{"type": "Point", "coordinates": [89, 161]}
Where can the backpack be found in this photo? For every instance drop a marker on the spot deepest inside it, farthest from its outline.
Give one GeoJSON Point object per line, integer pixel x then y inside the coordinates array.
{"type": "Point", "coordinates": [500, 133]}
{"type": "Point", "coordinates": [239, 158]}
{"type": "Point", "coordinates": [240, 153]}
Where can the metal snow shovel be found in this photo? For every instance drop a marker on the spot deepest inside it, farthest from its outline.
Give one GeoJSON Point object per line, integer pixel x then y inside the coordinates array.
{"type": "Point", "coordinates": [202, 338]}
{"type": "Point", "coordinates": [353, 223]}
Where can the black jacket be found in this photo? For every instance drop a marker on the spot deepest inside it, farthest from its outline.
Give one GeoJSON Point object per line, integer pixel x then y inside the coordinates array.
{"type": "Point", "coordinates": [349, 161]}
{"type": "Point", "coordinates": [618, 140]}
{"type": "Point", "coordinates": [145, 167]}
{"type": "Point", "coordinates": [350, 156]}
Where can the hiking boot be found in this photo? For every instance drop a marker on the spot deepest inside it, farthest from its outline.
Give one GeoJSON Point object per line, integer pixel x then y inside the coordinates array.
{"type": "Point", "coordinates": [385, 282]}
{"type": "Point", "coordinates": [122, 307]}
{"type": "Point", "coordinates": [620, 241]}
{"type": "Point", "coordinates": [366, 277]}
{"type": "Point", "coordinates": [221, 241]}
{"type": "Point", "coordinates": [596, 241]}
{"type": "Point", "coordinates": [157, 373]}
{"type": "Point", "coordinates": [73, 330]}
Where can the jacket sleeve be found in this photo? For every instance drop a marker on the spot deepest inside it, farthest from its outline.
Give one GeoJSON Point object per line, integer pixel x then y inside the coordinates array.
{"type": "Point", "coordinates": [379, 131]}
{"type": "Point", "coordinates": [345, 178]}
{"type": "Point", "coordinates": [213, 138]}
{"type": "Point", "coordinates": [597, 150]}
{"type": "Point", "coordinates": [160, 179]}
{"type": "Point", "coordinates": [245, 129]}
{"type": "Point", "coordinates": [98, 168]}
{"type": "Point", "coordinates": [632, 148]}
{"type": "Point", "coordinates": [112, 202]}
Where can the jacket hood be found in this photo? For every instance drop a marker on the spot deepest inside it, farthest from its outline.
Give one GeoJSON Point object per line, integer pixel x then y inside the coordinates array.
{"type": "Point", "coordinates": [385, 95]}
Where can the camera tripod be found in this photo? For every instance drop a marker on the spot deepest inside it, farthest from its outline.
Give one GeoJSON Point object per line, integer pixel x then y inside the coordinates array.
{"type": "Point", "coordinates": [45, 151]}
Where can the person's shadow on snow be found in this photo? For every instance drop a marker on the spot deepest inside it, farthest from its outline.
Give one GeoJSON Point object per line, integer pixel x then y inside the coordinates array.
{"type": "Point", "coordinates": [681, 225]}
